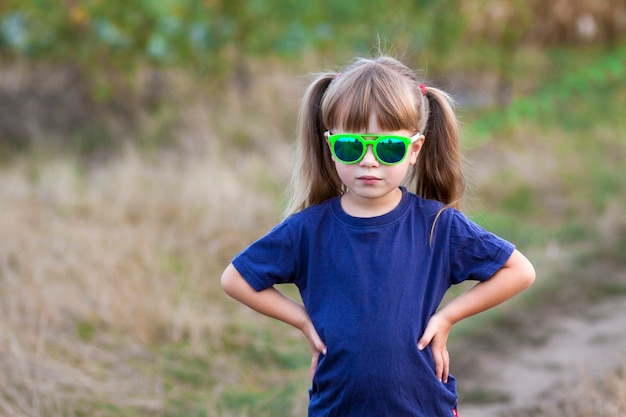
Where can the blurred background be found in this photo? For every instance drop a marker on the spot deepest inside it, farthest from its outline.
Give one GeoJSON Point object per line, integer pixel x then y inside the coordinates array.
{"type": "Point", "coordinates": [143, 144]}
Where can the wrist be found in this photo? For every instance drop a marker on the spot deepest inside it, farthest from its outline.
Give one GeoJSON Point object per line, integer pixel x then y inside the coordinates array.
{"type": "Point", "coordinates": [446, 317]}
{"type": "Point", "coordinates": [302, 321]}
{"type": "Point", "coordinates": [305, 325]}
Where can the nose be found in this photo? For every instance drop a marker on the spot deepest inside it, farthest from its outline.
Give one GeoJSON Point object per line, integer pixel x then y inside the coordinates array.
{"type": "Point", "coordinates": [369, 159]}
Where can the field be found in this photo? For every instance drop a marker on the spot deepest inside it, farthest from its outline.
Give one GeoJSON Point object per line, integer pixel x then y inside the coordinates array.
{"type": "Point", "coordinates": [109, 268]}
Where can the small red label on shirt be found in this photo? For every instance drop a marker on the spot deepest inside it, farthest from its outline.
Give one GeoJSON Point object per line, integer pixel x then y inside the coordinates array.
{"type": "Point", "coordinates": [456, 414]}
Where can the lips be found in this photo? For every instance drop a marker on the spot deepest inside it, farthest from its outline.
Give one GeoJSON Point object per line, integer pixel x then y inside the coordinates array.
{"type": "Point", "coordinates": [369, 179]}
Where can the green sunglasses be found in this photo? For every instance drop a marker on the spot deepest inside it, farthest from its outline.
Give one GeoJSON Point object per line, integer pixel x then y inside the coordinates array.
{"type": "Point", "coordinates": [350, 148]}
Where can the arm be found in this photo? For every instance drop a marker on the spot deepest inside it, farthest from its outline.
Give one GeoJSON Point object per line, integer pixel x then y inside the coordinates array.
{"type": "Point", "coordinates": [275, 304]}
{"type": "Point", "coordinates": [516, 275]}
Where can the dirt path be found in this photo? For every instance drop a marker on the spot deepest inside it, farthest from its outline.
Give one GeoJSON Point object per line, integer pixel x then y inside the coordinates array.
{"type": "Point", "coordinates": [580, 348]}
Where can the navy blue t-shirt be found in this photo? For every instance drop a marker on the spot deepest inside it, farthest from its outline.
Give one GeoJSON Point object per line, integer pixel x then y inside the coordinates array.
{"type": "Point", "coordinates": [370, 286]}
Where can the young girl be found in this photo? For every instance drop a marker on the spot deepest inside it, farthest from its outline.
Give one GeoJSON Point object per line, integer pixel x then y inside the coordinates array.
{"type": "Point", "coordinates": [372, 260]}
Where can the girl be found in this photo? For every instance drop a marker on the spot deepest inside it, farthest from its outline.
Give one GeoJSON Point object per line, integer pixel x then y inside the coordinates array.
{"type": "Point", "coordinates": [372, 260]}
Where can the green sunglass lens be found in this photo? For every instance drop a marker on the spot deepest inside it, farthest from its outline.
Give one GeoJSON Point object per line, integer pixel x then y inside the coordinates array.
{"type": "Point", "coordinates": [391, 151]}
{"type": "Point", "coordinates": [348, 149]}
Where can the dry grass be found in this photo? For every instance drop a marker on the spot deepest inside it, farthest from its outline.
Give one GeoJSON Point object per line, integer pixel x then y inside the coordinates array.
{"type": "Point", "coordinates": [593, 399]}
{"type": "Point", "coordinates": [105, 269]}
{"type": "Point", "coordinates": [588, 398]}
{"type": "Point", "coordinates": [99, 265]}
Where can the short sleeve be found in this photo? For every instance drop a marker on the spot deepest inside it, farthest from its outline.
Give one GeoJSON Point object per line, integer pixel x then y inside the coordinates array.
{"type": "Point", "coordinates": [475, 253]}
{"type": "Point", "coordinates": [268, 261]}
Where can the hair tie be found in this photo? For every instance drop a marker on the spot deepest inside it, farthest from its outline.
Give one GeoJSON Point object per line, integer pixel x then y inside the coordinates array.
{"type": "Point", "coordinates": [337, 75]}
{"type": "Point", "coordinates": [423, 88]}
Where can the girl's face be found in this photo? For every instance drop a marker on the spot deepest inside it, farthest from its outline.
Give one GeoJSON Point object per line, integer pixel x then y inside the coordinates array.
{"type": "Point", "coordinates": [373, 186]}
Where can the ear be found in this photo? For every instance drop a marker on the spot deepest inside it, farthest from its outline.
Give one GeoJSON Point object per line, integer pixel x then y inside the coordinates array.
{"type": "Point", "coordinates": [415, 148]}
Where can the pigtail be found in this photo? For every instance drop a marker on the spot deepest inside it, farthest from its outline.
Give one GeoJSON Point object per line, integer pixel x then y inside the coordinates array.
{"type": "Point", "coordinates": [438, 174]}
{"type": "Point", "coordinates": [314, 177]}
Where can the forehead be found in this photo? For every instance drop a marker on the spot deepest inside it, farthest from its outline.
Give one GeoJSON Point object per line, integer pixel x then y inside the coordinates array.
{"type": "Point", "coordinates": [373, 129]}
{"type": "Point", "coordinates": [368, 103]}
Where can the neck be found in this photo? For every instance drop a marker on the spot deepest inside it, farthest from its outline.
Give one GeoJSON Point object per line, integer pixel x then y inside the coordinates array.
{"type": "Point", "coordinates": [364, 207]}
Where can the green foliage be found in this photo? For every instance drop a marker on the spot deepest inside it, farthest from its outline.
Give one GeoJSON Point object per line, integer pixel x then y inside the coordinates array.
{"type": "Point", "coordinates": [577, 116]}
{"type": "Point", "coordinates": [275, 401]}
{"type": "Point", "coordinates": [576, 100]}
{"type": "Point", "coordinates": [513, 227]}
{"type": "Point", "coordinates": [519, 201]}
{"type": "Point", "coordinates": [479, 396]}
{"type": "Point", "coordinates": [258, 348]}
{"type": "Point", "coordinates": [210, 36]}
{"type": "Point", "coordinates": [85, 330]}
{"type": "Point", "coordinates": [187, 380]}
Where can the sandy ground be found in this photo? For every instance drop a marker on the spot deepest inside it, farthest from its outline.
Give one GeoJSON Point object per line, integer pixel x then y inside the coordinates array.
{"type": "Point", "coordinates": [581, 348]}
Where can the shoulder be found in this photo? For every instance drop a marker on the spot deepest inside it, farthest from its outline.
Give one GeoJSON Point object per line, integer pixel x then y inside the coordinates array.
{"type": "Point", "coordinates": [425, 204]}
{"type": "Point", "coordinates": [452, 221]}
{"type": "Point", "coordinates": [429, 209]}
{"type": "Point", "coordinates": [311, 215]}
{"type": "Point", "coordinates": [443, 221]}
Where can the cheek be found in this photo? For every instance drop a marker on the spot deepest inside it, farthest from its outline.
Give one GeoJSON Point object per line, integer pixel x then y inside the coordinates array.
{"type": "Point", "coordinates": [346, 172]}
{"type": "Point", "coordinates": [399, 172]}
{"type": "Point", "coordinates": [343, 170]}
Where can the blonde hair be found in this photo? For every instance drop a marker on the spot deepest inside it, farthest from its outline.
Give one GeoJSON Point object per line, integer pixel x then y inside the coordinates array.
{"type": "Point", "coordinates": [391, 91]}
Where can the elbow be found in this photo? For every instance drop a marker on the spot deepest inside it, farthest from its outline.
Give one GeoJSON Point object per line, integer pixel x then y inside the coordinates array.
{"type": "Point", "coordinates": [522, 270]}
{"type": "Point", "coordinates": [233, 284]}
{"type": "Point", "coordinates": [528, 274]}
{"type": "Point", "coordinates": [225, 284]}
{"type": "Point", "coordinates": [227, 281]}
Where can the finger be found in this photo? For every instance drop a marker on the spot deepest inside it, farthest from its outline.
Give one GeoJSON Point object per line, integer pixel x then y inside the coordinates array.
{"type": "Point", "coordinates": [314, 361]}
{"type": "Point", "coordinates": [425, 340]}
{"type": "Point", "coordinates": [316, 342]}
{"type": "Point", "coordinates": [446, 367]}
{"type": "Point", "coordinates": [439, 365]}
{"type": "Point", "coordinates": [320, 347]}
